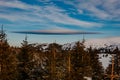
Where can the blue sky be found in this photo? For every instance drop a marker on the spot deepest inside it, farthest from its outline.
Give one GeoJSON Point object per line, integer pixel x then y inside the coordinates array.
{"type": "Point", "coordinates": [70, 15]}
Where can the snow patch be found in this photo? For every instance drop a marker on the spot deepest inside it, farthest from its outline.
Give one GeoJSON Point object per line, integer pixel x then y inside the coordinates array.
{"type": "Point", "coordinates": [105, 59]}
{"type": "Point", "coordinates": [87, 78]}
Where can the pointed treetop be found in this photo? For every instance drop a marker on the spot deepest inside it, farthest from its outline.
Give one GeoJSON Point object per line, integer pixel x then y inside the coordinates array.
{"type": "Point", "coordinates": [25, 42]}
{"type": "Point", "coordinates": [2, 28]}
{"type": "Point", "coordinates": [83, 41]}
{"type": "Point", "coordinates": [26, 37]}
{"type": "Point", "coordinates": [2, 34]}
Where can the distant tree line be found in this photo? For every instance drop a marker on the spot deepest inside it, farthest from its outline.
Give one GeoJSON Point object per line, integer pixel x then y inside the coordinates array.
{"type": "Point", "coordinates": [34, 62]}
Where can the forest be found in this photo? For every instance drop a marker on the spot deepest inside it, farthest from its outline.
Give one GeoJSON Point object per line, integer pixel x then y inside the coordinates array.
{"type": "Point", "coordinates": [32, 61]}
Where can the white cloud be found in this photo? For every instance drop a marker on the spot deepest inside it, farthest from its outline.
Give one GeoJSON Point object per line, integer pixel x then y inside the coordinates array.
{"type": "Point", "coordinates": [101, 9]}
{"type": "Point", "coordinates": [42, 14]}
{"type": "Point", "coordinates": [58, 16]}
{"type": "Point", "coordinates": [13, 17]}
{"type": "Point", "coordinates": [18, 4]}
{"type": "Point", "coordinates": [64, 19]}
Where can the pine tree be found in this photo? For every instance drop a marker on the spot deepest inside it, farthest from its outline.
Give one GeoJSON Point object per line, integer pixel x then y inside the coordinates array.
{"type": "Point", "coordinates": [78, 62]}
{"type": "Point", "coordinates": [40, 70]}
{"type": "Point", "coordinates": [56, 64]}
{"type": "Point", "coordinates": [7, 59]}
{"type": "Point", "coordinates": [117, 60]}
{"type": "Point", "coordinates": [25, 57]}
{"type": "Point", "coordinates": [97, 69]}
{"type": "Point", "coordinates": [60, 63]}
{"type": "Point", "coordinates": [114, 66]}
{"type": "Point", "coordinates": [52, 58]}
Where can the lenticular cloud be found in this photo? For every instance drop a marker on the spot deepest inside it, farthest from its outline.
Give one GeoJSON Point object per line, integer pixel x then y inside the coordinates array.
{"type": "Point", "coordinates": [55, 32]}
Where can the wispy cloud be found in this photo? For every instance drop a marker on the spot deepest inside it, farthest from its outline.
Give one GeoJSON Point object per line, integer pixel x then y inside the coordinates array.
{"type": "Point", "coordinates": [18, 4]}
{"type": "Point", "coordinates": [61, 15]}
{"type": "Point", "coordinates": [41, 14]}
{"type": "Point", "coordinates": [58, 17]}
{"type": "Point", "coordinates": [101, 9]}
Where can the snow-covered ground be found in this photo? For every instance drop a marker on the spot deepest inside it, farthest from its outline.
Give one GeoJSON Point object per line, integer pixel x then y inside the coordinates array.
{"type": "Point", "coordinates": [96, 43]}
{"type": "Point", "coordinates": [99, 43]}
{"type": "Point", "coordinates": [104, 42]}
{"type": "Point", "coordinates": [88, 78]}
{"type": "Point", "coordinates": [105, 60]}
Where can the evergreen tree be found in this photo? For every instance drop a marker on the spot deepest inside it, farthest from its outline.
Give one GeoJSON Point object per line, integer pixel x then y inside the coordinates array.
{"type": "Point", "coordinates": [25, 57]}
{"type": "Point", "coordinates": [117, 60]}
{"type": "Point", "coordinates": [60, 63]}
{"type": "Point", "coordinates": [78, 62]}
{"type": "Point", "coordinates": [7, 59]}
{"type": "Point", "coordinates": [97, 69]}
{"type": "Point", "coordinates": [114, 66]}
{"type": "Point", "coordinates": [56, 62]}
{"type": "Point", "coordinates": [40, 69]}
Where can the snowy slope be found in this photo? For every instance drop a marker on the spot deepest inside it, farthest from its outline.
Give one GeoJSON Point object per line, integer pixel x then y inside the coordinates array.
{"type": "Point", "coordinates": [98, 43]}
{"type": "Point", "coordinates": [105, 60]}
{"type": "Point", "coordinates": [104, 42]}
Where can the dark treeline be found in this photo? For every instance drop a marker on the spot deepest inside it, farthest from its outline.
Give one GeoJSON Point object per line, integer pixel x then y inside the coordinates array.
{"type": "Point", "coordinates": [34, 62]}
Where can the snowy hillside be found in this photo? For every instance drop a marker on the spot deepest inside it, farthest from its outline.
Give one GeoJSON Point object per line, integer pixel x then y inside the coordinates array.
{"type": "Point", "coordinates": [105, 60]}
{"type": "Point", "coordinates": [97, 43]}
{"type": "Point", "coordinates": [104, 42]}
